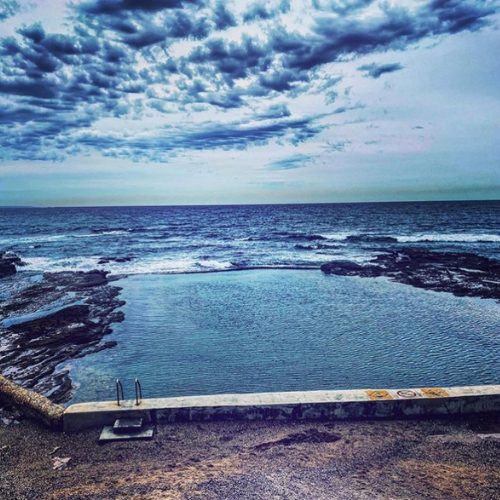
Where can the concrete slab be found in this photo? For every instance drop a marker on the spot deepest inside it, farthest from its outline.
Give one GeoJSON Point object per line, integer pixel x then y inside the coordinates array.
{"type": "Point", "coordinates": [108, 435]}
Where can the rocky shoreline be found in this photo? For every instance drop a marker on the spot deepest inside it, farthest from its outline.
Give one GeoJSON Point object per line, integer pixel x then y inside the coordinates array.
{"type": "Point", "coordinates": [462, 274]}
{"type": "Point", "coordinates": [49, 318]}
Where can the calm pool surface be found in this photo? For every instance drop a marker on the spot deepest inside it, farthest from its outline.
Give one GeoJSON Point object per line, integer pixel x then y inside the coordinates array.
{"type": "Point", "coordinates": [276, 330]}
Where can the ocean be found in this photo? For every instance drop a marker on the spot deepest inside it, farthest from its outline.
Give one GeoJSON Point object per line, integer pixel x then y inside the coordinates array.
{"type": "Point", "coordinates": [215, 238]}
{"type": "Point", "coordinates": [192, 327]}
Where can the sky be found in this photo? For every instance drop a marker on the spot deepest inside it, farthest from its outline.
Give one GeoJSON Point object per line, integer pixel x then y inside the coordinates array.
{"type": "Point", "coordinates": [181, 102]}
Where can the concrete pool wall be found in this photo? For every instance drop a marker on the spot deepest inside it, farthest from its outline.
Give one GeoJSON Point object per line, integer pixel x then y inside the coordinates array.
{"type": "Point", "coordinates": [333, 405]}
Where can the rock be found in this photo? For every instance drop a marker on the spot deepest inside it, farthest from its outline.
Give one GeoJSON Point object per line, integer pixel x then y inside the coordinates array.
{"type": "Point", "coordinates": [342, 268]}
{"type": "Point", "coordinates": [8, 262]}
{"type": "Point", "coordinates": [80, 308]}
{"type": "Point", "coordinates": [7, 269]}
{"type": "Point", "coordinates": [463, 274]}
{"type": "Point", "coordinates": [60, 463]}
{"type": "Point", "coordinates": [107, 260]}
{"type": "Point", "coordinates": [78, 280]}
{"type": "Point", "coordinates": [368, 238]}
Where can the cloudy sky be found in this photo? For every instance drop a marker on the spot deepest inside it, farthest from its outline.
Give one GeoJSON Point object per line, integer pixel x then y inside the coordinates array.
{"type": "Point", "coordinates": [158, 102]}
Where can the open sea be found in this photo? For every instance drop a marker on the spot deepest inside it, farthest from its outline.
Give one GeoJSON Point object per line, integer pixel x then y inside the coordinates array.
{"type": "Point", "coordinates": [280, 323]}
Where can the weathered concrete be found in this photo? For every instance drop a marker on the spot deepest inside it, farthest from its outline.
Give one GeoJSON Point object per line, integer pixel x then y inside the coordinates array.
{"type": "Point", "coordinates": [335, 405]}
{"type": "Point", "coordinates": [31, 403]}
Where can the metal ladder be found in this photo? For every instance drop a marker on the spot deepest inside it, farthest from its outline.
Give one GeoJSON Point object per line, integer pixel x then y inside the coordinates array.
{"type": "Point", "coordinates": [120, 395]}
{"type": "Point", "coordinates": [127, 427]}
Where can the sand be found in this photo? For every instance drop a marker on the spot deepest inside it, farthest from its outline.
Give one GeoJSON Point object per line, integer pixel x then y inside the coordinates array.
{"type": "Point", "coordinates": [413, 459]}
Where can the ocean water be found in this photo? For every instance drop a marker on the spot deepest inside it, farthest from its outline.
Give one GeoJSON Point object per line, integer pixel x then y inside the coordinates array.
{"type": "Point", "coordinates": [198, 238]}
{"type": "Point", "coordinates": [191, 330]}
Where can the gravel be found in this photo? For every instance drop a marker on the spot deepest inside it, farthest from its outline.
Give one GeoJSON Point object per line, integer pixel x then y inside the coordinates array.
{"type": "Point", "coordinates": [455, 458]}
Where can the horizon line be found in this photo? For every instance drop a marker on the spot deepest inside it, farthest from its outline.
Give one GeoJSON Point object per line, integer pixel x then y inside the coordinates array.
{"type": "Point", "coordinates": [485, 200]}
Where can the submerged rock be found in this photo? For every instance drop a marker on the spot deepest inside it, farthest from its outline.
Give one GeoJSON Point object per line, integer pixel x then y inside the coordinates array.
{"type": "Point", "coordinates": [45, 322]}
{"type": "Point", "coordinates": [463, 274]}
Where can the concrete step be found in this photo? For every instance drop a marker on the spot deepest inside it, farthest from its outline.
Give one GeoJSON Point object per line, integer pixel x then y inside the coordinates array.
{"type": "Point", "coordinates": [126, 429]}
{"type": "Point", "coordinates": [108, 434]}
{"type": "Point", "coordinates": [127, 425]}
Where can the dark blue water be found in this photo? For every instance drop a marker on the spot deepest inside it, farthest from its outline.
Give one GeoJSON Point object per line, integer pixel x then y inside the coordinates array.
{"type": "Point", "coordinates": [185, 239]}
{"type": "Point", "coordinates": [270, 330]}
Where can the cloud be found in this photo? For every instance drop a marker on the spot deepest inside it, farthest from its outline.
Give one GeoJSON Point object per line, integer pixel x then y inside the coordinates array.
{"type": "Point", "coordinates": [106, 7]}
{"type": "Point", "coordinates": [292, 162]}
{"type": "Point", "coordinates": [148, 60]}
{"type": "Point", "coordinates": [257, 10]}
{"type": "Point", "coordinates": [338, 146]}
{"type": "Point", "coordinates": [140, 24]}
{"type": "Point", "coordinates": [275, 111]}
{"type": "Point", "coordinates": [344, 109]}
{"type": "Point", "coordinates": [341, 7]}
{"type": "Point", "coordinates": [223, 18]}
{"type": "Point", "coordinates": [9, 8]}
{"type": "Point", "coordinates": [52, 138]}
{"type": "Point", "coordinates": [375, 70]}
{"type": "Point", "coordinates": [234, 59]}
{"type": "Point", "coordinates": [335, 38]}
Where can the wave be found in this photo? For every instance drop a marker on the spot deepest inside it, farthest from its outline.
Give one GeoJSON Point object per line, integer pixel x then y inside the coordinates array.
{"type": "Point", "coordinates": [125, 265]}
{"type": "Point", "coordinates": [423, 238]}
{"type": "Point", "coordinates": [46, 264]}
{"type": "Point", "coordinates": [320, 246]}
{"type": "Point", "coordinates": [306, 237]}
{"type": "Point", "coordinates": [123, 230]}
{"type": "Point", "coordinates": [450, 238]}
{"type": "Point", "coordinates": [27, 240]}
{"type": "Point", "coordinates": [276, 236]}
{"type": "Point", "coordinates": [113, 232]}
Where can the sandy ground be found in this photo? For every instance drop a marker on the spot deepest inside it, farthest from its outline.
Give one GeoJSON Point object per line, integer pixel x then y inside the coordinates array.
{"type": "Point", "coordinates": [413, 459]}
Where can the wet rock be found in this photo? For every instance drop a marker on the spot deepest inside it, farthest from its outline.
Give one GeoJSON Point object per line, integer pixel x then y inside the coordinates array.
{"type": "Point", "coordinates": [75, 281]}
{"type": "Point", "coordinates": [6, 269]}
{"type": "Point", "coordinates": [107, 260]}
{"type": "Point", "coordinates": [342, 268]}
{"type": "Point", "coordinates": [368, 238]}
{"type": "Point", "coordinates": [45, 322]}
{"type": "Point", "coordinates": [8, 262]}
{"type": "Point", "coordinates": [463, 274]}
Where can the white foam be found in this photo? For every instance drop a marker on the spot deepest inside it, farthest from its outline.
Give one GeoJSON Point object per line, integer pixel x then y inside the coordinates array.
{"type": "Point", "coordinates": [96, 235]}
{"type": "Point", "coordinates": [175, 266]}
{"type": "Point", "coordinates": [335, 236]}
{"type": "Point", "coordinates": [450, 238]}
{"type": "Point", "coordinates": [67, 264]}
{"type": "Point", "coordinates": [31, 239]}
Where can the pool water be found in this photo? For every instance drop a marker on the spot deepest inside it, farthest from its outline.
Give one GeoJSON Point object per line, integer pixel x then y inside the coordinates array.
{"type": "Point", "coordinates": [283, 330]}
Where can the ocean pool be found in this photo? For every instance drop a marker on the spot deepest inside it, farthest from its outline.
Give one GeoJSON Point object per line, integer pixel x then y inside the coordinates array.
{"type": "Point", "coordinates": [284, 330]}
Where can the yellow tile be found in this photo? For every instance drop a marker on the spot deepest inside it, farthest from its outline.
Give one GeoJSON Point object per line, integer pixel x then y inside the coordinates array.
{"type": "Point", "coordinates": [435, 392]}
{"type": "Point", "coordinates": [379, 395]}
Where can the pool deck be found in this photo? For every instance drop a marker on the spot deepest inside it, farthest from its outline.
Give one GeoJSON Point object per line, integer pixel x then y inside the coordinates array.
{"type": "Point", "coordinates": [332, 405]}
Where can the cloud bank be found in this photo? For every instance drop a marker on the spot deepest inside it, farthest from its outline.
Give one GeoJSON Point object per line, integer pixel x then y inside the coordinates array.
{"type": "Point", "coordinates": [198, 75]}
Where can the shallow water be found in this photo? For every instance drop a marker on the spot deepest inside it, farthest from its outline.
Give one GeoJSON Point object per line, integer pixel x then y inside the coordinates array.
{"type": "Point", "coordinates": [276, 330]}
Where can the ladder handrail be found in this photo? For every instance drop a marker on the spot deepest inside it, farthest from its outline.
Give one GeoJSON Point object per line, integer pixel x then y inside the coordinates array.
{"type": "Point", "coordinates": [138, 392]}
{"type": "Point", "coordinates": [119, 389]}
